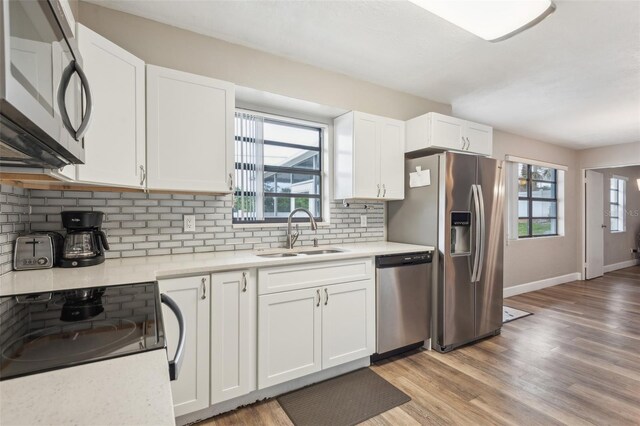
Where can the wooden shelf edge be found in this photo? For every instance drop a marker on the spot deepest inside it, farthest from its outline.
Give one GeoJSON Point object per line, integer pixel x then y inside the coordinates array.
{"type": "Point", "coordinates": [48, 182]}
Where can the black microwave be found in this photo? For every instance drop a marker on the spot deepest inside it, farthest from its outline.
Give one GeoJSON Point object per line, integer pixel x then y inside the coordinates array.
{"type": "Point", "coordinates": [45, 100]}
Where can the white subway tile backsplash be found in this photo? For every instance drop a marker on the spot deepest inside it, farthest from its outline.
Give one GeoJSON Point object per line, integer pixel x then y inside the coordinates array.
{"type": "Point", "coordinates": [139, 224]}
{"type": "Point", "coordinates": [14, 220]}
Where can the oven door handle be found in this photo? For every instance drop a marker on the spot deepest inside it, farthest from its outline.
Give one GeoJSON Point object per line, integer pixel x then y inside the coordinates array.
{"type": "Point", "coordinates": [176, 363]}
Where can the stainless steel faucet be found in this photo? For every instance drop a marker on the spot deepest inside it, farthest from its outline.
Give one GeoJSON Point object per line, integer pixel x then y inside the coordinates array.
{"type": "Point", "coordinates": [292, 238]}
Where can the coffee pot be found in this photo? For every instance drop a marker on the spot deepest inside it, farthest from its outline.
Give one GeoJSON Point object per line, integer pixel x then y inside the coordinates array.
{"type": "Point", "coordinates": [85, 242]}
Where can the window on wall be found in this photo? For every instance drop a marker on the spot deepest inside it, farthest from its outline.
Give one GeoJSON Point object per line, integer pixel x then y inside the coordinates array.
{"type": "Point", "coordinates": [537, 201]}
{"type": "Point", "coordinates": [278, 168]}
{"type": "Point", "coordinates": [617, 197]}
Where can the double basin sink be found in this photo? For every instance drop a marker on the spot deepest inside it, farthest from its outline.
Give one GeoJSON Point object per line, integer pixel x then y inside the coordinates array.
{"type": "Point", "coordinates": [305, 252]}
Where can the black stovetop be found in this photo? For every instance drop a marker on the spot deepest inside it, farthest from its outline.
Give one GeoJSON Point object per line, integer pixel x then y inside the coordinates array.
{"type": "Point", "coordinates": [46, 331]}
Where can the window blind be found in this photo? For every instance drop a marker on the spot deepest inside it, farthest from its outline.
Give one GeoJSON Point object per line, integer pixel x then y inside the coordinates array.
{"type": "Point", "coordinates": [249, 167]}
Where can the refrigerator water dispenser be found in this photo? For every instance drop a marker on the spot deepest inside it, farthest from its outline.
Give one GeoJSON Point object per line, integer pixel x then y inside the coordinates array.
{"type": "Point", "coordinates": [460, 233]}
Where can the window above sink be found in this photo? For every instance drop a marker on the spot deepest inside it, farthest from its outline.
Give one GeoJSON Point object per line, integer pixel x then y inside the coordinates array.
{"type": "Point", "coordinates": [279, 166]}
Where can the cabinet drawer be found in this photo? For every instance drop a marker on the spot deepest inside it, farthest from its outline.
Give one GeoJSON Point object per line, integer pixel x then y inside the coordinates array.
{"type": "Point", "coordinates": [317, 274]}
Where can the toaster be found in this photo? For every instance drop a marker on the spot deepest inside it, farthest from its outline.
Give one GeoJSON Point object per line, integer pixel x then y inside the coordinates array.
{"type": "Point", "coordinates": [37, 250]}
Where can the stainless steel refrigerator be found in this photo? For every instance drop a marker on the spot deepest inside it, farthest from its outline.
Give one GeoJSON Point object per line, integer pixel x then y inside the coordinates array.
{"type": "Point", "coordinates": [460, 213]}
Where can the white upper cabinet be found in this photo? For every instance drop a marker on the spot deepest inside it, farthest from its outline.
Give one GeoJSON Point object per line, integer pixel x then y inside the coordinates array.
{"type": "Point", "coordinates": [190, 132]}
{"type": "Point", "coordinates": [115, 141]}
{"type": "Point", "coordinates": [479, 138]}
{"type": "Point", "coordinates": [442, 132]}
{"type": "Point", "coordinates": [392, 159]}
{"type": "Point", "coordinates": [366, 155]}
{"type": "Point", "coordinates": [369, 157]}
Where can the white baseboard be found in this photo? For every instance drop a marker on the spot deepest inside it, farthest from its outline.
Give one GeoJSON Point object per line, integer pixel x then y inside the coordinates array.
{"type": "Point", "coordinates": [538, 285]}
{"type": "Point", "coordinates": [620, 265]}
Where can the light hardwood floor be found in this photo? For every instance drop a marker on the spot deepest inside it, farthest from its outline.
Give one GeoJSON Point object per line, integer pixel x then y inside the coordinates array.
{"type": "Point", "coordinates": [576, 361]}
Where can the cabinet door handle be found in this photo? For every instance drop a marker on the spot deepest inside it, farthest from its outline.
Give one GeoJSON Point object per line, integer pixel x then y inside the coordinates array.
{"type": "Point", "coordinates": [319, 297]}
{"type": "Point", "coordinates": [326, 297]}
{"type": "Point", "coordinates": [204, 289]}
{"type": "Point", "coordinates": [244, 282]}
{"type": "Point", "coordinates": [230, 182]}
{"type": "Point", "coordinates": [143, 175]}
{"type": "Point", "coordinates": [463, 142]}
{"type": "Point", "coordinates": [384, 190]}
{"type": "Point", "coordinates": [378, 191]}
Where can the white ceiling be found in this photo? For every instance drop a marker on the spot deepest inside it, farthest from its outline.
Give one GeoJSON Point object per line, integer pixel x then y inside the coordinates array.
{"type": "Point", "coordinates": [574, 79]}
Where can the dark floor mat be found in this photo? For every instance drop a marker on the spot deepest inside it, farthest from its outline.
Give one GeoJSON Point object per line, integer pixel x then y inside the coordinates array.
{"type": "Point", "coordinates": [342, 401]}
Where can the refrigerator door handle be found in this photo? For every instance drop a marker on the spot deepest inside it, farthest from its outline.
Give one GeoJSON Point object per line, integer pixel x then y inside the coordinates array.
{"type": "Point", "coordinates": [482, 232]}
{"type": "Point", "coordinates": [477, 232]}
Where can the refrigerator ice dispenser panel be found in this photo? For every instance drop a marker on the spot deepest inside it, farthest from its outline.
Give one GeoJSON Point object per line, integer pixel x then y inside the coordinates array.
{"type": "Point", "coordinates": [460, 233]}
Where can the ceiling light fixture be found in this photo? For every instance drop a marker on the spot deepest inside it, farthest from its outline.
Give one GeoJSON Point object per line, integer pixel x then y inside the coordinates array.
{"type": "Point", "coordinates": [495, 20]}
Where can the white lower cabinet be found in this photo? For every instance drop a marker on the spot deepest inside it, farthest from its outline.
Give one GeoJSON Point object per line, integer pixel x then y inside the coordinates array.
{"type": "Point", "coordinates": [348, 318]}
{"type": "Point", "coordinates": [233, 334]}
{"type": "Point", "coordinates": [238, 341]}
{"type": "Point", "coordinates": [301, 332]}
{"type": "Point", "coordinates": [191, 389]}
{"type": "Point", "coordinates": [289, 336]}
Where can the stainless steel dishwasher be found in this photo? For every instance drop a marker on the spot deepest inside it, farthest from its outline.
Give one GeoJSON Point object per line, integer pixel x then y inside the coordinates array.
{"type": "Point", "coordinates": [403, 302]}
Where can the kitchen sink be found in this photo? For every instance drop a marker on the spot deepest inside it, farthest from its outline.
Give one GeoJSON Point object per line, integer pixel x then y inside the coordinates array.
{"type": "Point", "coordinates": [323, 251]}
{"type": "Point", "coordinates": [278, 255]}
{"type": "Point", "coordinates": [299, 251]}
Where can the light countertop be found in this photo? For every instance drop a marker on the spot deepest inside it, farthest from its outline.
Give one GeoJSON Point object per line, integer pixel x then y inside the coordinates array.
{"type": "Point", "coordinates": [130, 390]}
{"type": "Point", "coordinates": [151, 268]}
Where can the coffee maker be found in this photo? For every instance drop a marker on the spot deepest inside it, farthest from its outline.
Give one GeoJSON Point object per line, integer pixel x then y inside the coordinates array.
{"type": "Point", "coordinates": [85, 242]}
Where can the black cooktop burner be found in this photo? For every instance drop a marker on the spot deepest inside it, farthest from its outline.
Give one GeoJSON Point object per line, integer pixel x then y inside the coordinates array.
{"type": "Point", "coordinates": [46, 331]}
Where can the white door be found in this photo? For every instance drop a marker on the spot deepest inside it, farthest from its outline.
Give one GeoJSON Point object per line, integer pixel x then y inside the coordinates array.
{"type": "Point", "coordinates": [446, 132]}
{"type": "Point", "coordinates": [190, 131]}
{"type": "Point", "coordinates": [191, 389]}
{"type": "Point", "coordinates": [392, 159]}
{"type": "Point", "coordinates": [115, 141]}
{"type": "Point", "coordinates": [348, 322]}
{"type": "Point", "coordinates": [595, 226]}
{"type": "Point", "coordinates": [479, 138]}
{"type": "Point", "coordinates": [366, 176]}
{"type": "Point", "coordinates": [233, 334]}
{"type": "Point", "coordinates": [289, 336]}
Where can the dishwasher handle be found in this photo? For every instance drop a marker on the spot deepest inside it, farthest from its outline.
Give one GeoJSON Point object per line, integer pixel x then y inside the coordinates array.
{"type": "Point", "coordinates": [395, 260]}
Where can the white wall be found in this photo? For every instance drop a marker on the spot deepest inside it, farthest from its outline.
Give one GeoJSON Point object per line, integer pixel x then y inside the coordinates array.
{"type": "Point", "coordinates": [627, 154]}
